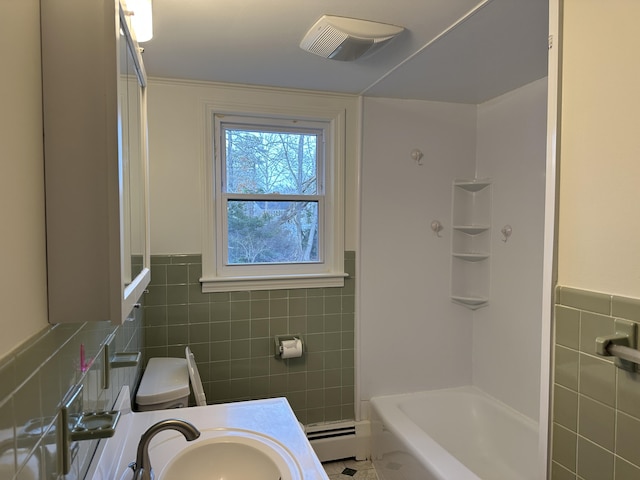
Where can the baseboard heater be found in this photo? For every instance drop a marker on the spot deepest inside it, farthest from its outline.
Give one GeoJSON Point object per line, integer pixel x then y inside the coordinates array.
{"type": "Point", "coordinates": [338, 440]}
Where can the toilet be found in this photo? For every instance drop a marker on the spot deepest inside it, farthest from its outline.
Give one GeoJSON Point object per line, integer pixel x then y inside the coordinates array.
{"type": "Point", "coordinates": [165, 383]}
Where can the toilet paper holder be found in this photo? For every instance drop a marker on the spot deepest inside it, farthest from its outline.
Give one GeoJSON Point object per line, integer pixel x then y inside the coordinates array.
{"type": "Point", "coordinates": [279, 341]}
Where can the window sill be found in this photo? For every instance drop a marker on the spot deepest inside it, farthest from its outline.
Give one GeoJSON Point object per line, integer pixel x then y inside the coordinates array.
{"type": "Point", "coordinates": [280, 282]}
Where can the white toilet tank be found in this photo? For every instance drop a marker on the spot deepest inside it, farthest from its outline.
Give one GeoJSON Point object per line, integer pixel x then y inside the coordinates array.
{"type": "Point", "coordinates": [164, 384]}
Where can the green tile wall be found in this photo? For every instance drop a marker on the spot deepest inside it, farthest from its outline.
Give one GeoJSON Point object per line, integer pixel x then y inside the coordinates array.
{"type": "Point", "coordinates": [231, 335]}
{"type": "Point", "coordinates": [35, 378]}
{"type": "Point", "coordinates": [596, 406]}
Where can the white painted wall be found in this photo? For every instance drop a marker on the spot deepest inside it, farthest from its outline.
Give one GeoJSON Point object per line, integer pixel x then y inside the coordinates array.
{"type": "Point", "coordinates": [23, 293]}
{"type": "Point", "coordinates": [599, 229]}
{"type": "Point", "coordinates": [177, 148]}
{"type": "Point", "coordinates": [506, 340]}
{"type": "Point", "coordinates": [411, 337]}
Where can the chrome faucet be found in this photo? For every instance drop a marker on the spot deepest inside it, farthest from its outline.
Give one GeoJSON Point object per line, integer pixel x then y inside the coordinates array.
{"type": "Point", "coordinates": [142, 466]}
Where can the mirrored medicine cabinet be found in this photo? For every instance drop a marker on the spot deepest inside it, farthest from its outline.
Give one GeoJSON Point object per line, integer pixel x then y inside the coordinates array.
{"type": "Point", "coordinates": [96, 161]}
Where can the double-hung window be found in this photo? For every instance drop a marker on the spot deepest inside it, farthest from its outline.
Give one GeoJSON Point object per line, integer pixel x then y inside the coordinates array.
{"type": "Point", "coordinates": [276, 204]}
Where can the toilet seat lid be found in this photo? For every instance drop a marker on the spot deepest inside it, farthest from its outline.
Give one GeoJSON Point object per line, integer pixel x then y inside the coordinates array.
{"type": "Point", "coordinates": [194, 375]}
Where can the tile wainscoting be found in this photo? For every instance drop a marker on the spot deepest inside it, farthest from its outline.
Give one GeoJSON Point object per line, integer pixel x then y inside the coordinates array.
{"type": "Point", "coordinates": [232, 338]}
{"type": "Point", "coordinates": [596, 411]}
{"type": "Point", "coordinates": [35, 378]}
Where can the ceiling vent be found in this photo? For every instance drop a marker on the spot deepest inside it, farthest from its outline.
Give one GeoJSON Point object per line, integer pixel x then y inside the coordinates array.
{"type": "Point", "coordinates": [346, 39]}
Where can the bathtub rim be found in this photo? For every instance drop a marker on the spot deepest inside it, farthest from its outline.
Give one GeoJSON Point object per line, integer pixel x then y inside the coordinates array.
{"type": "Point", "coordinates": [442, 463]}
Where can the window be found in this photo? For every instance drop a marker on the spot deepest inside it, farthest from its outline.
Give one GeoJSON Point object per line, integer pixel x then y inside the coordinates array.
{"type": "Point", "coordinates": [275, 202]}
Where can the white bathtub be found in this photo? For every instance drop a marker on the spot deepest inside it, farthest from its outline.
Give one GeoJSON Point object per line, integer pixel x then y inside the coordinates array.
{"type": "Point", "coordinates": [451, 434]}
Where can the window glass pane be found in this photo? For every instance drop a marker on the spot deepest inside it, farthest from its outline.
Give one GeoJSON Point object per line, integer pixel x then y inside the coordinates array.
{"type": "Point", "coordinates": [264, 161]}
{"type": "Point", "coordinates": [272, 232]}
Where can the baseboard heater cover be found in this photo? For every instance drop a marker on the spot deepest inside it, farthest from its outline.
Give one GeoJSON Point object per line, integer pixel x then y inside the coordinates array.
{"type": "Point", "coordinates": [338, 440]}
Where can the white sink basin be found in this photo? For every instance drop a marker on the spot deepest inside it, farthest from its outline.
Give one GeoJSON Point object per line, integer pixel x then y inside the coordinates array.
{"type": "Point", "coordinates": [223, 454]}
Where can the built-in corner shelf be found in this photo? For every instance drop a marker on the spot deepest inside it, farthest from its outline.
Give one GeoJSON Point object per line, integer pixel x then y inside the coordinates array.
{"type": "Point", "coordinates": [470, 244]}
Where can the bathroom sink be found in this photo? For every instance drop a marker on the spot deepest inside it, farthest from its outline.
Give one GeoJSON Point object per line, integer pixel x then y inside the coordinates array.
{"type": "Point", "coordinates": [225, 454]}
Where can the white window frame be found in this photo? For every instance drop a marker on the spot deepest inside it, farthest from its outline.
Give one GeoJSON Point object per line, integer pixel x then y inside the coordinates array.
{"type": "Point", "coordinates": [329, 271]}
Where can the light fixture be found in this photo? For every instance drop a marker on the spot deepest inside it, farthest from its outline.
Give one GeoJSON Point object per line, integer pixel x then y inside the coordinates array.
{"type": "Point", "coordinates": [141, 19]}
{"type": "Point", "coordinates": [346, 39]}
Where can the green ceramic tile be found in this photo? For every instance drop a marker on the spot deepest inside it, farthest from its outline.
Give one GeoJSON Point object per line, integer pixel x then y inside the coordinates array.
{"type": "Point", "coordinates": [240, 368]}
{"type": "Point", "coordinates": [220, 297]}
{"type": "Point", "coordinates": [565, 407]}
{"type": "Point", "coordinates": [259, 295]}
{"type": "Point", "coordinates": [260, 387]}
{"type": "Point", "coordinates": [261, 347]}
{"type": "Point", "coordinates": [259, 328]}
{"type": "Point", "coordinates": [186, 258]}
{"type": "Point", "coordinates": [567, 323]}
{"type": "Point", "coordinates": [350, 267]}
{"type": "Point", "coordinates": [348, 340]}
{"type": "Point", "coordinates": [240, 310]}
{"type": "Point", "coordinates": [332, 322]}
{"type": "Point", "coordinates": [597, 379]}
{"type": "Point", "coordinates": [160, 260]}
{"type": "Point", "coordinates": [195, 273]}
{"type": "Point", "coordinates": [200, 352]}
{"type": "Point", "coordinates": [348, 304]}
{"type": "Point", "coordinates": [278, 326]}
{"type": "Point", "coordinates": [315, 292]}
{"type": "Point", "coordinates": [332, 341]}
{"type": "Point", "coordinates": [297, 399]}
{"type": "Point", "coordinates": [296, 381]}
{"type": "Point", "coordinates": [564, 447]}
{"type": "Point", "coordinates": [558, 472]}
{"type": "Point", "coordinates": [198, 312]}
{"type": "Point", "coordinates": [585, 300]}
{"type": "Point", "coordinates": [623, 307]}
{"type": "Point", "coordinates": [315, 305]}
{"type": "Point", "coordinates": [333, 414]}
{"type": "Point", "coordinates": [332, 396]}
{"type": "Point", "coordinates": [315, 323]}
{"type": "Point", "coordinates": [315, 360]}
{"type": "Point", "coordinates": [177, 314]}
{"type": "Point", "coordinates": [220, 311]}
{"type": "Point", "coordinates": [332, 305]}
{"type": "Point", "coordinates": [332, 360]}
{"type": "Point", "coordinates": [158, 275]}
{"type": "Point", "coordinates": [220, 331]}
{"type": "Point", "coordinates": [219, 351]}
{"type": "Point", "coordinates": [349, 286]}
{"type": "Point", "coordinates": [333, 378]}
{"type": "Point", "coordinates": [594, 462]}
{"type": "Point", "coordinates": [315, 398]}
{"type": "Point", "coordinates": [278, 294]}
{"type": "Point", "coordinates": [298, 324]}
{"type": "Point", "coordinates": [314, 342]}
{"type": "Point", "coordinates": [629, 392]}
{"type": "Point", "coordinates": [259, 367]}
{"type": "Point", "coordinates": [278, 384]}
{"type": "Point", "coordinates": [177, 294]}
{"type": "Point", "coordinates": [348, 358]}
{"type": "Point", "coordinates": [315, 415]}
{"type": "Point", "coordinates": [177, 335]}
{"type": "Point", "coordinates": [593, 325]}
{"type": "Point", "coordinates": [625, 470]}
{"type": "Point", "coordinates": [198, 333]}
{"type": "Point", "coordinates": [220, 370]}
{"type": "Point", "coordinates": [155, 336]}
{"type": "Point", "coordinates": [297, 306]}
{"type": "Point", "coordinates": [240, 349]}
{"type": "Point", "coordinates": [628, 438]}
{"type": "Point", "coordinates": [315, 380]}
{"type": "Point", "coordinates": [348, 322]}
{"type": "Point", "coordinates": [195, 294]}
{"type": "Point", "coordinates": [177, 274]}
{"type": "Point", "coordinates": [297, 293]}
{"type": "Point", "coordinates": [219, 391]}
{"type": "Point", "coordinates": [259, 309]}
{"type": "Point", "coordinates": [239, 296]}
{"type": "Point", "coordinates": [596, 422]}
{"type": "Point", "coordinates": [348, 376]}
{"type": "Point", "coordinates": [240, 329]}
{"type": "Point", "coordinates": [156, 295]}
{"type": "Point", "coordinates": [155, 315]}
{"type": "Point", "coordinates": [278, 307]}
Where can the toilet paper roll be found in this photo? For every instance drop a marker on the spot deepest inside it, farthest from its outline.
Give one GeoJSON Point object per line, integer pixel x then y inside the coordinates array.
{"type": "Point", "coordinates": [291, 348]}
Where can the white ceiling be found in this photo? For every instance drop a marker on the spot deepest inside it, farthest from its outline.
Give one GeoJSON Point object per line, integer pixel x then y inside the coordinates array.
{"type": "Point", "coordinates": [452, 50]}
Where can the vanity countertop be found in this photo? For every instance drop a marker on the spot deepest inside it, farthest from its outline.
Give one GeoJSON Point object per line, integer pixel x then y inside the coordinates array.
{"type": "Point", "coordinates": [272, 418]}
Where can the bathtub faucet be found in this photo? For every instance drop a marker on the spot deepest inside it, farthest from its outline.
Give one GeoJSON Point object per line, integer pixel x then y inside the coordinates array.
{"type": "Point", "coordinates": [142, 466]}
